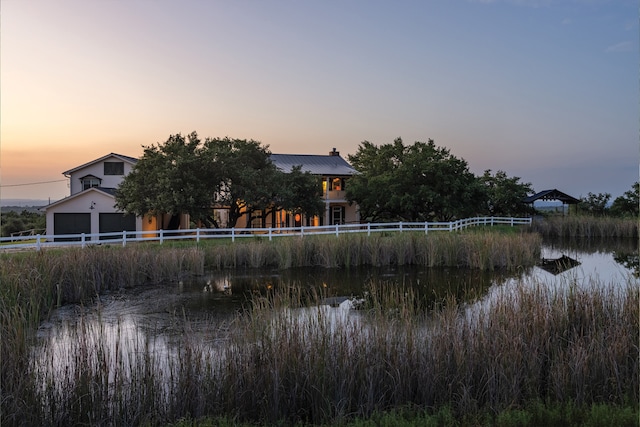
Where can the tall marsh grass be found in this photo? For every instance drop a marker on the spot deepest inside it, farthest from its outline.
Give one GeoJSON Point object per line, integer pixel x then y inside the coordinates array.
{"type": "Point", "coordinates": [286, 362]}
{"type": "Point", "coordinates": [32, 284]}
{"type": "Point", "coordinates": [582, 226]}
{"type": "Point", "coordinates": [485, 251]}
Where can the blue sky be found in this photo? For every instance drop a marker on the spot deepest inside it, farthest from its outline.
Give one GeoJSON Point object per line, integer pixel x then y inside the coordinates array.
{"type": "Point", "coordinates": [545, 90]}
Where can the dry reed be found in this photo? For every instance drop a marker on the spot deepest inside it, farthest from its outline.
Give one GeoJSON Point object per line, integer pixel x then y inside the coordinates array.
{"type": "Point", "coordinates": [31, 284]}
{"type": "Point", "coordinates": [580, 226]}
{"type": "Point", "coordinates": [288, 362]}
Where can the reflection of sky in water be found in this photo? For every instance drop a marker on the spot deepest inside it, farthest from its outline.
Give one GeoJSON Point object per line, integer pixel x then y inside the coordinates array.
{"type": "Point", "coordinates": [597, 271]}
{"type": "Point", "coordinates": [597, 266]}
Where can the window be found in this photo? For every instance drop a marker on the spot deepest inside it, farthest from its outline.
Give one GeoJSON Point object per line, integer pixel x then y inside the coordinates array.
{"type": "Point", "coordinates": [89, 182]}
{"type": "Point", "coordinates": [337, 184]}
{"type": "Point", "coordinates": [114, 168]}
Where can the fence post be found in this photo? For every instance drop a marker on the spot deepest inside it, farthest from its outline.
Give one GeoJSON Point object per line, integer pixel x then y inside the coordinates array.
{"type": "Point", "coordinates": [337, 230]}
{"type": "Point", "coordinates": [82, 240]}
{"type": "Point", "coordinates": [368, 229]}
{"type": "Point", "coordinates": [426, 227]}
{"type": "Point", "coordinates": [301, 230]}
{"type": "Point", "coordinates": [38, 242]}
{"type": "Point", "coordinates": [233, 235]}
{"type": "Point", "coordinates": [401, 226]}
{"type": "Point", "coordinates": [512, 221]}
{"type": "Point", "coordinates": [269, 233]}
{"type": "Point", "coordinates": [198, 235]}
{"type": "Point", "coordinates": [161, 236]}
{"type": "Point", "coordinates": [124, 238]}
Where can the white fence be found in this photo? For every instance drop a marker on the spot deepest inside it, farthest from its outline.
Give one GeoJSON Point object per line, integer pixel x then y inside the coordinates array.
{"type": "Point", "coordinates": [125, 237]}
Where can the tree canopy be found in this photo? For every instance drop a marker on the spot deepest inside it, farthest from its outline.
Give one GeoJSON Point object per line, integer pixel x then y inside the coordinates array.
{"type": "Point", "coordinates": [595, 204]}
{"type": "Point", "coordinates": [13, 222]}
{"type": "Point", "coordinates": [419, 182]}
{"type": "Point", "coordinates": [187, 175]}
{"type": "Point", "coordinates": [628, 204]}
{"type": "Point", "coordinates": [247, 175]}
{"type": "Point", "coordinates": [171, 178]}
{"type": "Point", "coordinates": [503, 195]}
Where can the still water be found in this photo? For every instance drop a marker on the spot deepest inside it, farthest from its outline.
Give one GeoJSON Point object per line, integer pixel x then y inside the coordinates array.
{"type": "Point", "coordinates": [206, 307]}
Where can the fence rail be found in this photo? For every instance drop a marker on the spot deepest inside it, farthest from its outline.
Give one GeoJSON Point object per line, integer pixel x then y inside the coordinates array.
{"type": "Point", "coordinates": [38, 241]}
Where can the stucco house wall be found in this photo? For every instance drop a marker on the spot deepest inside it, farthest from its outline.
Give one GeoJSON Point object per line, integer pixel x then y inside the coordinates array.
{"type": "Point", "coordinates": [92, 202]}
{"type": "Point", "coordinates": [96, 168]}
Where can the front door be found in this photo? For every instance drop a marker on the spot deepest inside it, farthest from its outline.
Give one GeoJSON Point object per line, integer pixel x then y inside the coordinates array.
{"type": "Point", "coordinates": [337, 215]}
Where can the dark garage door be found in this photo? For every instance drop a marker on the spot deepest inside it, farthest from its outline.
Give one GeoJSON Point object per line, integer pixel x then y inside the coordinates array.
{"type": "Point", "coordinates": [71, 223]}
{"type": "Point", "coordinates": [113, 222]}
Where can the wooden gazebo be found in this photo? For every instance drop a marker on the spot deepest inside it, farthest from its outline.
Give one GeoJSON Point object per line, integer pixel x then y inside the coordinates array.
{"type": "Point", "coordinates": [549, 195]}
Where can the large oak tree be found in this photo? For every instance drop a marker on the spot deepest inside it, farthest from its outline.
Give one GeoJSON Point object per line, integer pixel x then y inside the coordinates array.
{"type": "Point", "coordinates": [419, 182]}
{"type": "Point", "coordinates": [170, 178]}
{"type": "Point", "coordinates": [187, 175]}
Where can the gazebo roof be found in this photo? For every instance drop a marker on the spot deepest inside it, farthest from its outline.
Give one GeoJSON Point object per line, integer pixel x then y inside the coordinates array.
{"type": "Point", "coordinates": [558, 265]}
{"type": "Point", "coordinates": [552, 195]}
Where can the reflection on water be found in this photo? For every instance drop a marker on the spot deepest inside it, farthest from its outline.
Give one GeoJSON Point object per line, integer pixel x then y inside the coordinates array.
{"type": "Point", "coordinates": [206, 308]}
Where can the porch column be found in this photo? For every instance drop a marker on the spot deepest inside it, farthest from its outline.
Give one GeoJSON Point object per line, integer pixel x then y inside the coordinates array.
{"type": "Point", "coordinates": [327, 215]}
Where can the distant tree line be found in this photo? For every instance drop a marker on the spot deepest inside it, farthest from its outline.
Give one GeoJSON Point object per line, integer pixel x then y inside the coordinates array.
{"type": "Point", "coordinates": [12, 221]}
{"type": "Point", "coordinates": [598, 204]}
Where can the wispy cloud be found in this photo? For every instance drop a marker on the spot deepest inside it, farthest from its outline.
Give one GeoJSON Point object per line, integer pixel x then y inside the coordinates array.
{"type": "Point", "coordinates": [566, 21]}
{"type": "Point", "coordinates": [625, 46]}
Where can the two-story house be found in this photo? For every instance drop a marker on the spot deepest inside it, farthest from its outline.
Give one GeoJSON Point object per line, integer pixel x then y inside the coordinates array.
{"type": "Point", "coordinates": [335, 173]}
{"type": "Point", "coordinates": [90, 207]}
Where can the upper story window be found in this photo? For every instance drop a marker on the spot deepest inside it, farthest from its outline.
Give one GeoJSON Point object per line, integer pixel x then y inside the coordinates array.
{"type": "Point", "coordinates": [337, 184]}
{"type": "Point", "coordinates": [89, 181]}
{"type": "Point", "coordinates": [114, 168]}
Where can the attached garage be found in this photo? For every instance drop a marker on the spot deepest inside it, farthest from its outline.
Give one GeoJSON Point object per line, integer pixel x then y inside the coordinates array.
{"type": "Point", "coordinates": [116, 222]}
{"type": "Point", "coordinates": [91, 211]}
{"type": "Point", "coordinates": [71, 223]}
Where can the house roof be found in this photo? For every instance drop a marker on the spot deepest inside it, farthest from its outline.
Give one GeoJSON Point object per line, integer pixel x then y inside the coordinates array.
{"type": "Point", "coordinates": [111, 192]}
{"type": "Point", "coordinates": [124, 158]}
{"type": "Point", "coordinates": [327, 165]}
{"type": "Point", "coordinates": [552, 195]}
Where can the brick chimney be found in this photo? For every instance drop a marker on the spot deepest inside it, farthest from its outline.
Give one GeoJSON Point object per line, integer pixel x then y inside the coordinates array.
{"type": "Point", "coordinates": [334, 152]}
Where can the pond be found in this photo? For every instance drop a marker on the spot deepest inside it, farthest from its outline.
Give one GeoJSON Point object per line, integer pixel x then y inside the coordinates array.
{"type": "Point", "coordinates": [206, 308]}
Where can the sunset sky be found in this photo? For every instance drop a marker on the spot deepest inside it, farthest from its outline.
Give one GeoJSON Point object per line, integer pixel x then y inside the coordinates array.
{"type": "Point", "coordinates": [546, 90]}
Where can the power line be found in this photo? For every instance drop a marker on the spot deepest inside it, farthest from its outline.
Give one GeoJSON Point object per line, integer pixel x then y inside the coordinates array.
{"type": "Point", "coordinates": [33, 183]}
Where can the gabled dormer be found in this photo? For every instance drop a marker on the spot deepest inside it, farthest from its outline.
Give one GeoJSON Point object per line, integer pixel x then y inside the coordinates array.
{"type": "Point", "coordinates": [90, 181]}
{"type": "Point", "coordinates": [107, 172]}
